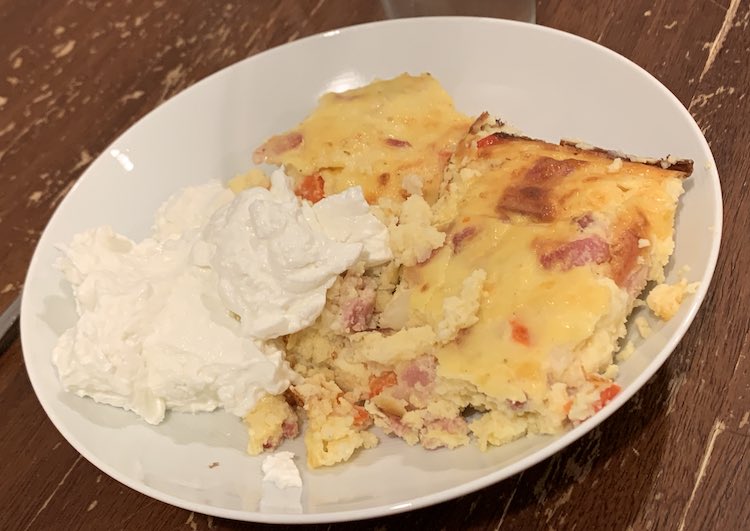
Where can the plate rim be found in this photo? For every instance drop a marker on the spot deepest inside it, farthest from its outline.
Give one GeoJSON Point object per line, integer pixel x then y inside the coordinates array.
{"type": "Point", "coordinates": [456, 491]}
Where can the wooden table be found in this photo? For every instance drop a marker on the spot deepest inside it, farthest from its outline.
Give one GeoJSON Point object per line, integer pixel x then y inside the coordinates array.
{"type": "Point", "coordinates": [77, 74]}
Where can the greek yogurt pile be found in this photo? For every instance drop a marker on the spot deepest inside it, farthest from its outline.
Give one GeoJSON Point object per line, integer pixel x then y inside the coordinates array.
{"type": "Point", "coordinates": [187, 319]}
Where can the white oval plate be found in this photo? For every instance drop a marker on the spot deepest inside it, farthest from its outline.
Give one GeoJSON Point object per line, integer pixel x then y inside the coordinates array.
{"type": "Point", "coordinates": [548, 83]}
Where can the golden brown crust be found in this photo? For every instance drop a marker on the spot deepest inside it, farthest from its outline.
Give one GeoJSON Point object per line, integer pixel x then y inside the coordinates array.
{"type": "Point", "coordinates": [624, 248]}
{"type": "Point", "coordinates": [684, 166]}
{"type": "Point", "coordinates": [573, 147]}
{"type": "Point", "coordinates": [521, 180]}
{"type": "Point", "coordinates": [533, 196]}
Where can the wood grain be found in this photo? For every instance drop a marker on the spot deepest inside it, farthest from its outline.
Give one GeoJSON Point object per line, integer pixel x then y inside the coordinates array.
{"type": "Point", "coordinates": [76, 74]}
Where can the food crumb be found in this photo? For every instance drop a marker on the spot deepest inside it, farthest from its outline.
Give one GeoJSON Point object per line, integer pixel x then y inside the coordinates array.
{"type": "Point", "coordinates": [251, 179]}
{"type": "Point", "coordinates": [214, 464]}
{"type": "Point", "coordinates": [611, 371]}
{"type": "Point", "coordinates": [625, 352]}
{"type": "Point", "coordinates": [615, 166]}
{"type": "Point", "coordinates": [643, 327]}
{"type": "Point", "coordinates": [665, 299]}
{"type": "Point", "coordinates": [279, 468]}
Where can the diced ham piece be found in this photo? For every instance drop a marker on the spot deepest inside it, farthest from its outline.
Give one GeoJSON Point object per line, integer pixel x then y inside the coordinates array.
{"type": "Point", "coordinates": [395, 142]}
{"type": "Point", "coordinates": [576, 253]}
{"type": "Point", "coordinates": [584, 220]}
{"type": "Point", "coordinates": [415, 376]}
{"type": "Point", "coordinates": [464, 234]}
{"type": "Point", "coordinates": [290, 429]}
{"type": "Point", "coordinates": [276, 145]}
{"type": "Point", "coordinates": [357, 314]}
{"type": "Point", "coordinates": [420, 371]}
{"type": "Point", "coordinates": [454, 426]}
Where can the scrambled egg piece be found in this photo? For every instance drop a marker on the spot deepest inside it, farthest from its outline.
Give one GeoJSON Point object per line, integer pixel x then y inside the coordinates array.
{"type": "Point", "coordinates": [269, 422]}
{"type": "Point", "coordinates": [665, 299]}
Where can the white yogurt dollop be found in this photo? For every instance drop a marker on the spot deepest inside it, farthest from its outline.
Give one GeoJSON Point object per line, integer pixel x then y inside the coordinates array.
{"type": "Point", "coordinates": [276, 256]}
{"type": "Point", "coordinates": [152, 333]}
{"type": "Point", "coordinates": [155, 329]}
{"type": "Point", "coordinates": [279, 469]}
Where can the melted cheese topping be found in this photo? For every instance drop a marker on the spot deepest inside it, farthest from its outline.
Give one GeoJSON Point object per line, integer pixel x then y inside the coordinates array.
{"type": "Point", "coordinates": [374, 136]}
{"type": "Point", "coordinates": [558, 309]}
{"type": "Point", "coordinates": [590, 186]}
{"type": "Point", "coordinates": [557, 230]}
